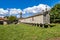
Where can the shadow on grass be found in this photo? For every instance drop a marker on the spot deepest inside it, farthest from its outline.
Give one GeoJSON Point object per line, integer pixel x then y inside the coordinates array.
{"type": "Point", "coordinates": [51, 25]}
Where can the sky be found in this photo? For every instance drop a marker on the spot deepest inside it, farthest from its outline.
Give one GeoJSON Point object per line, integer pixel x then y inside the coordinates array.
{"type": "Point", "coordinates": [24, 5]}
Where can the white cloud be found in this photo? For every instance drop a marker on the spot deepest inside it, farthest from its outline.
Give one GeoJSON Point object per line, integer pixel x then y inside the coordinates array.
{"type": "Point", "coordinates": [10, 11]}
{"type": "Point", "coordinates": [2, 16]}
{"type": "Point", "coordinates": [36, 9]}
{"type": "Point", "coordinates": [2, 11]}
{"type": "Point", "coordinates": [18, 16]}
{"type": "Point", "coordinates": [14, 11]}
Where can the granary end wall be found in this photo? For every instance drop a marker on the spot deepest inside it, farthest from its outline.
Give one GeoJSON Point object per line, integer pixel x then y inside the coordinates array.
{"type": "Point", "coordinates": [46, 19]}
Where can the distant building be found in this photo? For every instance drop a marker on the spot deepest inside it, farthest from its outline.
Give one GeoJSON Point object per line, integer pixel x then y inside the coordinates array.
{"type": "Point", "coordinates": [3, 20]}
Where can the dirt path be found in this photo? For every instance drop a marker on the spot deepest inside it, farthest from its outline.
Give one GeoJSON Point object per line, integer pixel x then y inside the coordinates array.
{"type": "Point", "coordinates": [56, 38]}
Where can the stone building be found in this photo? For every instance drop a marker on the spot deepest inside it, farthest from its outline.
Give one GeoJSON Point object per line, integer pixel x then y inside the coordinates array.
{"type": "Point", "coordinates": [41, 18]}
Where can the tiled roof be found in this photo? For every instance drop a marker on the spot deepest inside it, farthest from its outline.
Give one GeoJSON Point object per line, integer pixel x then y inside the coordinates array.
{"type": "Point", "coordinates": [3, 18]}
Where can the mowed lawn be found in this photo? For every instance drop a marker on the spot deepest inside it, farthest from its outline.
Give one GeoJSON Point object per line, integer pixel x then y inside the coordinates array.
{"type": "Point", "coordinates": [28, 32]}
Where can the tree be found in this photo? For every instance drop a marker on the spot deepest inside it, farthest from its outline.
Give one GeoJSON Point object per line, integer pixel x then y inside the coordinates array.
{"type": "Point", "coordinates": [55, 13]}
{"type": "Point", "coordinates": [12, 18]}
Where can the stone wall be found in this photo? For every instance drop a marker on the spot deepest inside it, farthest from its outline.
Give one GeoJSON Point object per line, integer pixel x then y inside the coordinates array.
{"type": "Point", "coordinates": [35, 19]}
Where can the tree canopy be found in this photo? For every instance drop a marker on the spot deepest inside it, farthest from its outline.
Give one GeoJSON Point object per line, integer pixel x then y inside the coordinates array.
{"type": "Point", "coordinates": [55, 13]}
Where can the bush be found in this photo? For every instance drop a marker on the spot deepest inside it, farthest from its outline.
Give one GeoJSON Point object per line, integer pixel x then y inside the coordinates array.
{"type": "Point", "coordinates": [12, 19]}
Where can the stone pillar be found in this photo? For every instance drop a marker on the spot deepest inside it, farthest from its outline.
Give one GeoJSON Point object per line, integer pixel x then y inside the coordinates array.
{"type": "Point", "coordinates": [39, 25]}
{"type": "Point", "coordinates": [49, 25]}
{"type": "Point", "coordinates": [43, 25]}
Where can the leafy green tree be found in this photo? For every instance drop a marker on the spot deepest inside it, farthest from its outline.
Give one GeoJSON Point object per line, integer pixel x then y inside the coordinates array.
{"type": "Point", "coordinates": [12, 18]}
{"type": "Point", "coordinates": [55, 13]}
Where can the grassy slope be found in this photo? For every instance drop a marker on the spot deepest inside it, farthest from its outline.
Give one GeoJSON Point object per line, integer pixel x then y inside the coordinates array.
{"type": "Point", "coordinates": [27, 32]}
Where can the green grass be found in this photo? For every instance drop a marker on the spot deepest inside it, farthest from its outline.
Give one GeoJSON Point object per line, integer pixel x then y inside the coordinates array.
{"type": "Point", "coordinates": [27, 32]}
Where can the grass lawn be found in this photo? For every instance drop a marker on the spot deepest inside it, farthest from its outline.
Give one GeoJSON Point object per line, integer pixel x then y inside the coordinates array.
{"type": "Point", "coordinates": [27, 32]}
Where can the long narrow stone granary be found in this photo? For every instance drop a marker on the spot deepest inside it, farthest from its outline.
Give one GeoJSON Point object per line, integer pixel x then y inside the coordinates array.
{"type": "Point", "coordinates": [41, 18]}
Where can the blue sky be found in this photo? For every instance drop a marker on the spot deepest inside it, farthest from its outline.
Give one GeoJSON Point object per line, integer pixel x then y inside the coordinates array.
{"type": "Point", "coordinates": [25, 3]}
